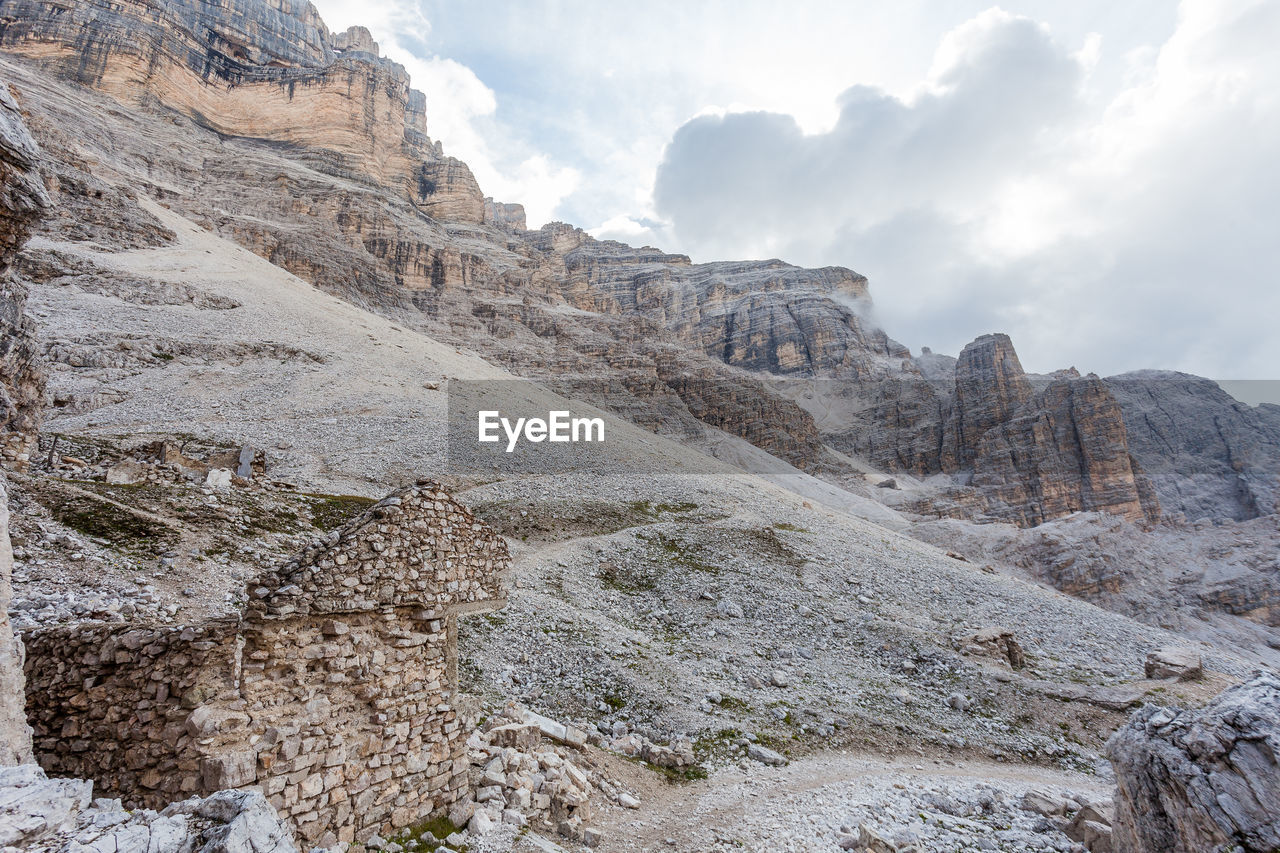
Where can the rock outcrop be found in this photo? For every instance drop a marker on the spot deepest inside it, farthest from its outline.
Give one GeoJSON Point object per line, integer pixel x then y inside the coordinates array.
{"type": "Point", "coordinates": [1063, 450]}
{"type": "Point", "coordinates": [1208, 455]}
{"type": "Point", "coordinates": [248, 68]}
{"type": "Point", "coordinates": [41, 814]}
{"type": "Point", "coordinates": [508, 217]}
{"type": "Point", "coordinates": [15, 734]}
{"type": "Point", "coordinates": [990, 388]}
{"type": "Point", "coordinates": [1201, 781]}
{"type": "Point", "coordinates": [22, 200]}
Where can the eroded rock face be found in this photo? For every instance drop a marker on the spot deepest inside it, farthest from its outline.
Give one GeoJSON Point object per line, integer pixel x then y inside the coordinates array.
{"type": "Point", "coordinates": [15, 734]}
{"type": "Point", "coordinates": [1208, 455]}
{"type": "Point", "coordinates": [56, 814]}
{"type": "Point", "coordinates": [990, 388]}
{"type": "Point", "coordinates": [1062, 450]}
{"type": "Point", "coordinates": [1201, 781]}
{"type": "Point", "coordinates": [250, 68]}
{"type": "Point", "coordinates": [509, 217]}
{"type": "Point", "coordinates": [22, 200]}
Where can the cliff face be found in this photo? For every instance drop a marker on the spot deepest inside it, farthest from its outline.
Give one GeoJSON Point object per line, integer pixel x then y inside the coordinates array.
{"type": "Point", "coordinates": [22, 200]}
{"type": "Point", "coordinates": [1064, 450]}
{"type": "Point", "coordinates": [1209, 455]}
{"type": "Point", "coordinates": [269, 88]}
{"type": "Point", "coordinates": [246, 68]}
{"type": "Point", "coordinates": [990, 387]}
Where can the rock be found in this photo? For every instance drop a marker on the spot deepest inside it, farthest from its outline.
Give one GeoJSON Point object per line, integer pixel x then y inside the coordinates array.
{"type": "Point", "coordinates": [873, 842]}
{"type": "Point", "coordinates": [1042, 803]}
{"type": "Point", "coordinates": [1208, 455]}
{"type": "Point", "coordinates": [460, 813]}
{"type": "Point", "coordinates": [1200, 780]}
{"type": "Point", "coordinates": [244, 468]}
{"type": "Point", "coordinates": [522, 736]}
{"type": "Point", "coordinates": [1173, 662]}
{"type": "Point", "coordinates": [778, 678]}
{"type": "Point", "coordinates": [567, 735]}
{"type": "Point", "coordinates": [250, 69]}
{"type": "Point", "coordinates": [480, 823]}
{"type": "Point", "coordinates": [218, 478]}
{"type": "Point", "coordinates": [998, 643]}
{"type": "Point", "coordinates": [55, 814]}
{"type": "Point", "coordinates": [127, 472]}
{"type": "Point", "coordinates": [628, 802]}
{"type": "Point", "coordinates": [729, 608]}
{"type": "Point", "coordinates": [764, 755]}
{"type": "Point", "coordinates": [508, 217]}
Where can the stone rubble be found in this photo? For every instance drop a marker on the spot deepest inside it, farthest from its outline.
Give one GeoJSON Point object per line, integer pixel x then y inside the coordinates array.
{"type": "Point", "coordinates": [42, 815]}
{"type": "Point", "coordinates": [520, 779]}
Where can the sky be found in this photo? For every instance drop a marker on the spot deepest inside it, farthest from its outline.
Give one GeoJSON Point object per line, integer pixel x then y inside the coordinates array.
{"type": "Point", "coordinates": [1100, 180]}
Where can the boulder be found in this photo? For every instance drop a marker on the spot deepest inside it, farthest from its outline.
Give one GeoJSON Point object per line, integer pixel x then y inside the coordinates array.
{"type": "Point", "coordinates": [1201, 780]}
{"type": "Point", "coordinates": [1173, 662]}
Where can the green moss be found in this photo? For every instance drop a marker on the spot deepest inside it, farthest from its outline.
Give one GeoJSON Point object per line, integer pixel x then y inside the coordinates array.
{"type": "Point", "coordinates": [785, 525]}
{"type": "Point", "coordinates": [104, 520]}
{"type": "Point", "coordinates": [329, 512]}
{"type": "Point", "coordinates": [627, 580]}
{"type": "Point", "coordinates": [429, 834]}
{"type": "Point", "coordinates": [679, 554]}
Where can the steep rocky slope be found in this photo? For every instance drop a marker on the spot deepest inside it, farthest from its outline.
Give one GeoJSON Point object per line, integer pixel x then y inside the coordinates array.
{"type": "Point", "coordinates": [782, 357]}
{"type": "Point", "coordinates": [22, 200]}
{"type": "Point", "coordinates": [258, 255]}
{"type": "Point", "coordinates": [1209, 456]}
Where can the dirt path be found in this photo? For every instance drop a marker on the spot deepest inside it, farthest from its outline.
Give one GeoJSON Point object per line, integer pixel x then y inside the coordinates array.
{"type": "Point", "coordinates": [753, 808]}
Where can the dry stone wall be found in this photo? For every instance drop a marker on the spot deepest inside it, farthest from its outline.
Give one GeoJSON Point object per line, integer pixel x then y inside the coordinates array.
{"type": "Point", "coordinates": [334, 692]}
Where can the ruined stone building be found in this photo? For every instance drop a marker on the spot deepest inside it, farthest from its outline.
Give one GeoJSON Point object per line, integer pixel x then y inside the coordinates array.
{"type": "Point", "coordinates": [334, 690]}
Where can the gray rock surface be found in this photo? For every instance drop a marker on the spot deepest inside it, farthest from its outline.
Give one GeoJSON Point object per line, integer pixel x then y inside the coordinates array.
{"type": "Point", "coordinates": [1204, 780]}
{"type": "Point", "coordinates": [1209, 455]}
{"type": "Point", "coordinates": [22, 200]}
{"type": "Point", "coordinates": [39, 814]}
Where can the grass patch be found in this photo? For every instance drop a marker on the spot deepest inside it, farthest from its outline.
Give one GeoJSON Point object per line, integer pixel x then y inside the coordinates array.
{"type": "Point", "coordinates": [679, 554]}
{"type": "Point", "coordinates": [329, 512]}
{"type": "Point", "coordinates": [793, 528]}
{"type": "Point", "coordinates": [626, 579]}
{"type": "Point", "coordinates": [429, 835]}
{"type": "Point", "coordinates": [105, 521]}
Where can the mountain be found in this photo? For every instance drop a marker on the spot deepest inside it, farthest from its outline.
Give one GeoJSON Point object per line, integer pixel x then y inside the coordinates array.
{"type": "Point", "coordinates": [255, 259]}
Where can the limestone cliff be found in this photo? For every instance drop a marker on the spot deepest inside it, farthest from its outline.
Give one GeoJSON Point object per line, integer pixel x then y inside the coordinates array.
{"type": "Point", "coordinates": [22, 199]}
{"type": "Point", "coordinates": [247, 68]}
{"type": "Point", "coordinates": [1209, 455]}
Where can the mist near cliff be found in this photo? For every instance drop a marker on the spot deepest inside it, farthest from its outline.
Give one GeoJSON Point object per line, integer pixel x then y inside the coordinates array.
{"type": "Point", "coordinates": [1110, 235]}
{"type": "Point", "coordinates": [1095, 179]}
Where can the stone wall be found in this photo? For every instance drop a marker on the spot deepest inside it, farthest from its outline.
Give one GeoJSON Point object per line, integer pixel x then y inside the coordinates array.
{"type": "Point", "coordinates": [333, 692]}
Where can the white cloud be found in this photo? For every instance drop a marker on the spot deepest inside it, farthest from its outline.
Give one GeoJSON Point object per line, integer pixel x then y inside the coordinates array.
{"type": "Point", "coordinates": [1010, 191]}
{"type": "Point", "coordinates": [460, 109]}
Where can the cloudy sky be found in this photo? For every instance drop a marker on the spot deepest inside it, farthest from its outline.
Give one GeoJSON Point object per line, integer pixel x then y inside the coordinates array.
{"type": "Point", "coordinates": [1101, 180]}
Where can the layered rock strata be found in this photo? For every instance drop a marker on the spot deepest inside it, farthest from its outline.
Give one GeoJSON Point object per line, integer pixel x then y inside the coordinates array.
{"type": "Point", "coordinates": [1202, 780]}
{"type": "Point", "coordinates": [269, 71]}
{"type": "Point", "coordinates": [1209, 456]}
{"type": "Point", "coordinates": [22, 200]}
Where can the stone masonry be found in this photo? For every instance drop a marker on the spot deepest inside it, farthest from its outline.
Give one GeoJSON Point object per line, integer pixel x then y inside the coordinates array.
{"type": "Point", "coordinates": [334, 691]}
